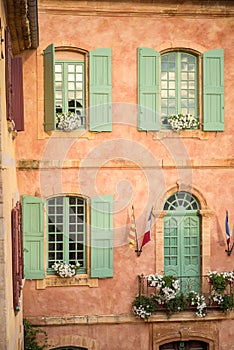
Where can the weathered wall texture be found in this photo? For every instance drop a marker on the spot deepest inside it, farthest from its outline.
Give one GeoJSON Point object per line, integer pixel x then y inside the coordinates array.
{"type": "Point", "coordinates": [138, 167]}
{"type": "Point", "coordinates": [11, 332]}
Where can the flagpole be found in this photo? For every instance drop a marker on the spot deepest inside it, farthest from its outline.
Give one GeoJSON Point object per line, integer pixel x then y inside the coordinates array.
{"type": "Point", "coordinates": [137, 244]}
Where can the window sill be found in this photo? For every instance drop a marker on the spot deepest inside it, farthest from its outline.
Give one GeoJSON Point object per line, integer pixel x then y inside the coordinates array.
{"type": "Point", "coordinates": [56, 281]}
{"type": "Point", "coordinates": [79, 133]}
{"type": "Point", "coordinates": [199, 134]}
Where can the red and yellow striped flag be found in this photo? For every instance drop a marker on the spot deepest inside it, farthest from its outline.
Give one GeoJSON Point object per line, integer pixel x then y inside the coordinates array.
{"type": "Point", "coordinates": [132, 233]}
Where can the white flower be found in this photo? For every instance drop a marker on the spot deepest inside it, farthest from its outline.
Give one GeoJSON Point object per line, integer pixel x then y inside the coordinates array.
{"type": "Point", "coordinates": [65, 270]}
{"type": "Point", "coordinates": [180, 121]}
{"type": "Point", "coordinates": [199, 301]}
{"type": "Point", "coordinates": [68, 121]}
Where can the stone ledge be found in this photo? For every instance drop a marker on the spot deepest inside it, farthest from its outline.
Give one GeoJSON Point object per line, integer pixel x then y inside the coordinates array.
{"type": "Point", "coordinates": [56, 281]}
{"type": "Point", "coordinates": [185, 316]}
{"type": "Point", "coordinates": [32, 164]}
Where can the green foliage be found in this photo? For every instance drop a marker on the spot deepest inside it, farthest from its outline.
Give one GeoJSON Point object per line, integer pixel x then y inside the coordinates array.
{"type": "Point", "coordinates": [218, 283]}
{"type": "Point", "coordinates": [143, 306]}
{"type": "Point", "coordinates": [227, 302]}
{"type": "Point", "coordinates": [30, 337]}
{"type": "Point", "coordinates": [177, 304]}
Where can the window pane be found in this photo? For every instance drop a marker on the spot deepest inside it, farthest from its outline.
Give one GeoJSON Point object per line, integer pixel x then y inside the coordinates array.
{"type": "Point", "coordinates": [58, 77]}
{"type": "Point", "coordinates": [58, 68]}
{"type": "Point", "coordinates": [71, 86]}
{"type": "Point", "coordinates": [71, 77]}
{"type": "Point", "coordinates": [71, 68]}
{"type": "Point", "coordinates": [79, 68]}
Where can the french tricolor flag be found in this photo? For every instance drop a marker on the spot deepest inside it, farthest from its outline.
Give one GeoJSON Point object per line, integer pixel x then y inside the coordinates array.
{"type": "Point", "coordinates": [147, 237]}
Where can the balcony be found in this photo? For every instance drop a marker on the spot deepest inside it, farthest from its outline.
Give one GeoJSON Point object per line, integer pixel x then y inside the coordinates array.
{"type": "Point", "coordinates": [203, 295]}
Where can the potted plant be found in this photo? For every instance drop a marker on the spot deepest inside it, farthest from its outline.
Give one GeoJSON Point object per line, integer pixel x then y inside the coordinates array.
{"type": "Point", "coordinates": [68, 121]}
{"type": "Point", "coordinates": [219, 282]}
{"type": "Point", "coordinates": [143, 306]}
{"type": "Point", "coordinates": [65, 270]}
{"type": "Point", "coordinates": [181, 122]}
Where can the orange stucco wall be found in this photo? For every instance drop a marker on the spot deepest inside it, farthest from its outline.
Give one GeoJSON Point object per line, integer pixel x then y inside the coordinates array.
{"type": "Point", "coordinates": [137, 167]}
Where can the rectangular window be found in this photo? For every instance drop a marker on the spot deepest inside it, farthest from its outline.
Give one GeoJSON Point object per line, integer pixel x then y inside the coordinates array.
{"type": "Point", "coordinates": [67, 231]}
{"type": "Point", "coordinates": [70, 88]}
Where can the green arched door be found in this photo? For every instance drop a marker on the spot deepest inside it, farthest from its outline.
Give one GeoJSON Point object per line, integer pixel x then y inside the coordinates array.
{"type": "Point", "coordinates": [182, 240]}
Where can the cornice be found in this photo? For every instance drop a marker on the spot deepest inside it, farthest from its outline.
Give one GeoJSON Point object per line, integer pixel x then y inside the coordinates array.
{"type": "Point", "coordinates": [137, 8]}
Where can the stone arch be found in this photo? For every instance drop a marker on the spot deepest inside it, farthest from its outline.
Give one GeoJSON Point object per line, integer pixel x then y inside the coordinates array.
{"type": "Point", "coordinates": [201, 331]}
{"type": "Point", "coordinates": [72, 340]}
{"type": "Point", "coordinates": [205, 213]}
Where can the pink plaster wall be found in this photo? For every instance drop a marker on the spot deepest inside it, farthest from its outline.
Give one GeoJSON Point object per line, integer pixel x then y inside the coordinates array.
{"type": "Point", "coordinates": [143, 187]}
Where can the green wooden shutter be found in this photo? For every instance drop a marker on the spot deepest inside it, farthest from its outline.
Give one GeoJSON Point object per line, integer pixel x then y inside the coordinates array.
{"type": "Point", "coordinates": [33, 237]}
{"type": "Point", "coordinates": [148, 90]}
{"type": "Point", "coordinates": [102, 236]}
{"type": "Point", "coordinates": [49, 88]}
{"type": "Point", "coordinates": [213, 90]}
{"type": "Point", "coordinates": [100, 89]}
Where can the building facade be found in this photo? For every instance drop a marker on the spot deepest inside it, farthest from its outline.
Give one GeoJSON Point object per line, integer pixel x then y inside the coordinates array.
{"type": "Point", "coordinates": [98, 147]}
{"type": "Point", "coordinates": [18, 32]}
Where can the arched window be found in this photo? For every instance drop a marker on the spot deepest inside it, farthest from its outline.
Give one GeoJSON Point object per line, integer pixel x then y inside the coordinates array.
{"type": "Point", "coordinates": [181, 201]}
{"type": "Point", "coordinates": [170, 83]}
{"type": "Point", "coordinates": [75, 81]}
{"type": "Point", "coordinates": [179, 84]}
{"type": "Point", "coordinates": [182, 240]}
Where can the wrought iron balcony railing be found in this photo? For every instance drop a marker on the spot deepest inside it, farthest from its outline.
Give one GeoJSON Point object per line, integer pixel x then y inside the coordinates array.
{"type": "Point", "coordinates": [184, 288]}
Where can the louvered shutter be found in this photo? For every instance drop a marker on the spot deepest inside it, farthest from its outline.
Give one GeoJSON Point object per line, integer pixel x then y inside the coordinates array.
{"type": "Point", "coordinates": [213, 90]}
{"type": "Point", "coordinates": [15, 258]}
{"type": "Point", "coordinates": [17, 93]}
{"type": "Point", "coordinates": [8, 50]}
{"type": "Point", "coordinates": [102, 236]}
{"type": "Point", "coordinates": [49, 89]}
{"type": "Point", "coordinates": [100, 90]}
{"type": "Point", "coordinates": [148, 89]}
{"type": "Point", "coordinates": [33, 237]}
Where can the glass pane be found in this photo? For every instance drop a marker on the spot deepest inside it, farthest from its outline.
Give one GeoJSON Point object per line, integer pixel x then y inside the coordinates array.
{"type": "Point", "coordinates": [79, 86]}
{"type": "Point", "coordinates": [79, 68]}
{"type": "Point", "coordinates": [79, 96]}
{"type": "Point", "coordinates": [164, 75]}
{"type": "Point", "coordinates": [164, 93]}
{"type": "Point", "coordinates": [172, 93]}
{"type": "Point", "coordinates": [58, 77]}
{"type": "Point", "coordinates": [71, 77]}
{"type": "Point", "coordinates": [79, 77]}
{"type": "Point", "coordinates": [171, 103]}
{"type": "Point", "coordinates": [71, 86]}
{"type": "Point", "coordinates": [71, 68]}
{"type": "Point", "coordinates": [71, 95]}
{"type": "Point", "coordinates": [191, 76]}
{"type": "Point", "coordinates": [58, 95]}
{"type": "Point", "coordinates": [58, 68]}
{"type": "Point", "coordinates": [171, 76]}
{"type": "Point", "coordinates": [172, 85]}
